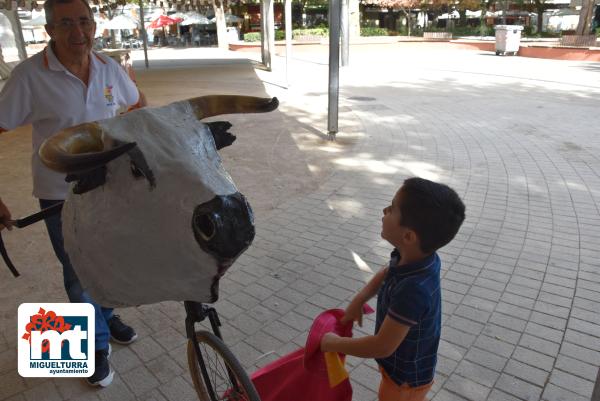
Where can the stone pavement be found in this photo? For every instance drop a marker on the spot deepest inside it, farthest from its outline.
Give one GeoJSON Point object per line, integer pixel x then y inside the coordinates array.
{"type": "Point", "coordinates": [515, 137]}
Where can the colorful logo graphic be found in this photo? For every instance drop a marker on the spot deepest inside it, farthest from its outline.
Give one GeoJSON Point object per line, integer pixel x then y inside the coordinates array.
{"type": "Point", "coordinates": [109, 96]}
{"type": "Point", "coordinates": [56, 340]}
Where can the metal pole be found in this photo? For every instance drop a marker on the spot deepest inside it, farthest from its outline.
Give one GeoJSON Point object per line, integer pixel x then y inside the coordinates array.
{"type": "Point", "coordinates": [144, 35]}
{"type": "Point", "coordinates": [334, 66]}
{"type": "Point", "coordinates": [267, 30]}
{"type": "Point", "coordinates": [288, 40]}
{"type": "Point", "coordinates": [345, 26]}
{"type": "Point", "coordinates": [271, 29]}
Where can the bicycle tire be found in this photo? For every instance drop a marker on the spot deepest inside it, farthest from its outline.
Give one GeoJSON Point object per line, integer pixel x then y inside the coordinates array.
{"type": "Point", "coordinates": [216, 372]}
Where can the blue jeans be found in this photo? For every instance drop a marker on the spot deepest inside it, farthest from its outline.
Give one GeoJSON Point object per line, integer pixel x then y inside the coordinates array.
{"type": "Point", "coordinates": [72, 285]}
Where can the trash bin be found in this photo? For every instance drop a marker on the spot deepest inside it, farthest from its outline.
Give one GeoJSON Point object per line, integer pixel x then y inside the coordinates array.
{"type": "Point", "coordinates": [508, 39]}
{"type": "Point", "coordinates": [233, 34]}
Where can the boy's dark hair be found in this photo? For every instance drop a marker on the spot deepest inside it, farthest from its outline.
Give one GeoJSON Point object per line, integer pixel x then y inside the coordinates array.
{"type": "Point", "coordinates": [49, 9]}
{"type": "Point", "coordinates": [434, 211]}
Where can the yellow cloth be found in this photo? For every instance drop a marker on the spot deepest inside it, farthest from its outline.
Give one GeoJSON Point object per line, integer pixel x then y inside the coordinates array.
{"type": "Point", "coordinates": [336, 372]}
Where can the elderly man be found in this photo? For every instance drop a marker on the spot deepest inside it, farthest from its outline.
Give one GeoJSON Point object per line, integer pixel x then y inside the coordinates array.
{"type": "Point", "coordinates": [64, 85]}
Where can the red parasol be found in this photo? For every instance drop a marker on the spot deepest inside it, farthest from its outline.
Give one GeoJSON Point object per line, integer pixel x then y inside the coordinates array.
{"type": "Point", "coordinates": [163, 21]}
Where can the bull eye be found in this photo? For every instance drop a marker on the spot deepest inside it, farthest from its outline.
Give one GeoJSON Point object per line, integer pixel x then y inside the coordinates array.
{"type": "Point", "coordinates": [137, 173]}
{"type": "Point", "coordinates": [205, 226]}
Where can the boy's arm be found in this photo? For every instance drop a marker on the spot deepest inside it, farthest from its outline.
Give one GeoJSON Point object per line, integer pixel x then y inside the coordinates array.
{"type": "Point", "coordinates": [381, 345]}
{"type": "Point", "coordinates": [354, 311]}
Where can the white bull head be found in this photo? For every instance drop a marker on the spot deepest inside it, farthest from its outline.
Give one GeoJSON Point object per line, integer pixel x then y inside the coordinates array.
{"type": "Point", "coordinates": [167, 221]}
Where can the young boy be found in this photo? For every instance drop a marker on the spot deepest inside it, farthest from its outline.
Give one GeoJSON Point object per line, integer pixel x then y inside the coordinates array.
{"type": "Point", "coordinates": [423, 217]}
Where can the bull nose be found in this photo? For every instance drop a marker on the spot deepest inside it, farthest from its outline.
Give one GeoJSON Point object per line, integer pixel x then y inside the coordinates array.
{"type": "Point", "coordinates": [224, 226]}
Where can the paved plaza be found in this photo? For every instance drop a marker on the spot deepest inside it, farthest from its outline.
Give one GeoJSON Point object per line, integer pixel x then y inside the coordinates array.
{"type": "Point", "coordinates": [516, 137]}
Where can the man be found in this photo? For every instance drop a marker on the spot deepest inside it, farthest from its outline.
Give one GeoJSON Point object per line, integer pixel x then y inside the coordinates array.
{"type": "Point", "coordinates": [65, 85]}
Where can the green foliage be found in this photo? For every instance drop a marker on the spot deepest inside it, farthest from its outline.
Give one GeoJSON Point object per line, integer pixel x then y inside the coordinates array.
{"type": "Point", "coordinates": [472, 31]}
{"type": "Point", "coordinates": [252, 37]}
{"type": "Point", "coordinates": [369, 31]}
{"type": "Point", "coordinates": [322, 31]}
{"type": "Point", "coordinates": [528, 30]}
{"type": "Point", "coordinates": [598, 32]}
{"type": "Point", "coordinates": [296, 33]}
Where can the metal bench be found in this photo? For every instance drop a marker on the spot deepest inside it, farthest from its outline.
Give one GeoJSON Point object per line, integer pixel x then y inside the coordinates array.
{"type": "Point", "coordinates": [578, 40]}
{"type": "Point", "coordinates": [433, 36]}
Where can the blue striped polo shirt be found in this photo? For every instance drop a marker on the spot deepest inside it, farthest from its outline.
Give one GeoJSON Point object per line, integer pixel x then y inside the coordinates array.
{"type": "Point", "coordinates": [411, 295]}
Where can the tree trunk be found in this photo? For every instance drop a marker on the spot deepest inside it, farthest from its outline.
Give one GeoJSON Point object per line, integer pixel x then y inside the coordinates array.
{"type": "Point", "coordinates": [539, 7]}
{"type": "Point", "coordinates": [585, 17]}
{"type": "Point", "coordinates": [354, 9]}
{"type": "Point", "coordinates": [482, 23]}
{"type": "Point", "coordinates": [391, 20]}
{"type": "Point", "coordinates": [221, 24]}
{"type": "Point", "coordinates": [407, 14]}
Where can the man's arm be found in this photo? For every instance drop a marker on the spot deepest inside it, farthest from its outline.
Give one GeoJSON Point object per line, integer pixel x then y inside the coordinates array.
{"type": "Point", "coordinates": [381, 345]}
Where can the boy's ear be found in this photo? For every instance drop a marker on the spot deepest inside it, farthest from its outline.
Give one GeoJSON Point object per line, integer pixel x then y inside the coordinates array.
{"type": "Point", "coordinates": [411, 237]}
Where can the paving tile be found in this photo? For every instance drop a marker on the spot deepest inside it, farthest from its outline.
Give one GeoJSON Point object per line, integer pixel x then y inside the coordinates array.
{"type": "Point", "coordinates": [124, 359]}
{"type": "Point", "coordinates": [575, 367]}
{"type": "Point", "coordinates": [178, 389]}
{"type": "Point", "coordinates": [164, 368]}
{"type": "Point", "coordinates": [495, 346]}
{"type": "Point", "coordinates": [583, 354]}
{"type": "Point", "coordinates": [485, 358]}
{"type": "Point", "coordinates": [46, 391]}
{"type": "Point", "coordinates": [477, 373]}
{"type": "Point", "coordinates": [576, 384]}
{"type": "Point", "coordinates": [518, 388]}
{"type": "Point", "coordinates": [497, 395]}
{"type": "Point", "coordinates": [140, 380]}
{"type": "Point", "coordinates": [466, 388]}
{"type": "Point", "coordinates": [507, 321]}
{"type": "Point", "coordinates": [555, 393]}
{"type": "Point", "coordinates": [526, 372]}
{"type": "Point", "coordinates": [444, 395]}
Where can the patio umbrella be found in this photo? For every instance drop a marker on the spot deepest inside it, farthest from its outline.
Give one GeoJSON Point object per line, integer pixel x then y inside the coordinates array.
{"type": "Point", "coordinates": [163, 21]}
{"type": "Point", "coordinates": [195, 18]}
{"type": "Point", "coordinates": [229, 18]}
{"type": "Point", "coordinates": [40, 20]}
{"type": "Point", "coordinates": [121, 22]}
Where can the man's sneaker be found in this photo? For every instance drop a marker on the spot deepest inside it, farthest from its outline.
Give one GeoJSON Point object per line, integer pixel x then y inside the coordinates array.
{"type": "Point", "coordinates": [120, 332]}
{"type": "Point", "coordinates": [103, 375]}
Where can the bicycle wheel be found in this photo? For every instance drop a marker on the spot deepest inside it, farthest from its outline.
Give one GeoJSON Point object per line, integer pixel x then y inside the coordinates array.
{"type": "Point", "coordinates": [219, 375]}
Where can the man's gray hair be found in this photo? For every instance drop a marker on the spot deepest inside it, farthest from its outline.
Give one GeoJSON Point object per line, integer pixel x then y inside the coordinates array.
{"type": "Point", "coordinates": [49, 8]}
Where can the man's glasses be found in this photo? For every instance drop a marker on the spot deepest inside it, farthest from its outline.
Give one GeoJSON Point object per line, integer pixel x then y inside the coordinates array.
{"type": "Point", "coordinates": [68, 24]}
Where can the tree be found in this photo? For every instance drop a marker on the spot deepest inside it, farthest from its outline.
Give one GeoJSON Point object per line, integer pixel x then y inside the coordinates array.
{"type": "Point", "coordinates": [585, 17]}
{"type": "Point", "coordinates": [405, 5]}
{"type": "Point", "coordinates": [219, 8]}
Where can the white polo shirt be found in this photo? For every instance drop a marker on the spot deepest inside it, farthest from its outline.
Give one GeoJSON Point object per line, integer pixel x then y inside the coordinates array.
{"type": "Point", "coordinates": [42, 92]}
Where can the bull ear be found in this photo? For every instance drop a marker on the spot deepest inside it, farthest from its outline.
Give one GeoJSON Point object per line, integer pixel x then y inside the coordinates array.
{"type": "Point", "coordinates": [214, 105]}
{"type": "Point", "coordinates": [79, 148]}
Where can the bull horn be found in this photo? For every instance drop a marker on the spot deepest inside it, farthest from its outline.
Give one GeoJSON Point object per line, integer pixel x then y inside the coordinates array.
{"type": "Point", "coordinates": [214, 105]}
{"type": "Point", "coordinates": [79, 148]}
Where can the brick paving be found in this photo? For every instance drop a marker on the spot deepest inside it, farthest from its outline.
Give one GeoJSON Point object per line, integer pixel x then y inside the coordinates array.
{"type": "Point", "coordinates": [515, 137]}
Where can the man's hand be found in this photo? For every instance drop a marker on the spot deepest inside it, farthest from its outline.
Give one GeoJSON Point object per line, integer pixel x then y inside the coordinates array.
{"type": "Point", "coordinates": [4, 217]}
{"type": "Point", "coordinates": [327, 341]}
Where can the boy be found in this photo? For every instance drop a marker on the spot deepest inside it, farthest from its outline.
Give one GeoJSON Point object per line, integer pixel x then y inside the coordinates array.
{"type": "Point", "coordinates": [423, 217]}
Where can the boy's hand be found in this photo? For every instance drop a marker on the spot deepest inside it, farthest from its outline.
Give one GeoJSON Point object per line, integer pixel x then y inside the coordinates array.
{"type": "Point", "coordinates": [353, 313]}
{"type": "Point", "coordinates": [327, 340]}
